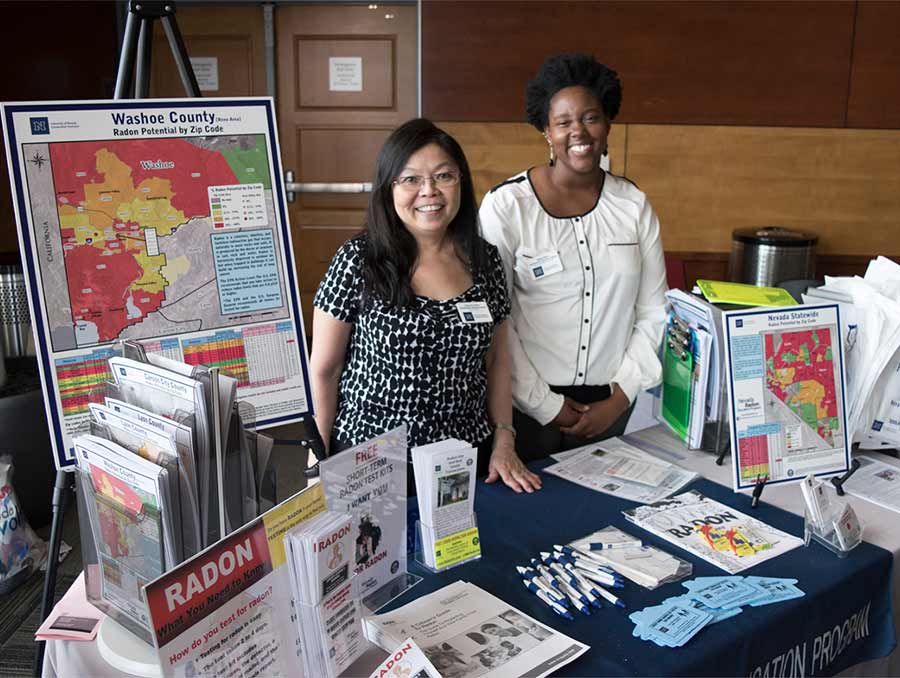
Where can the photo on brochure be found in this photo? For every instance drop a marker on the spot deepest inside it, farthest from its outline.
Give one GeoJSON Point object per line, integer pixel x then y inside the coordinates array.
{"type": "Point", "coordinates": [453, 488]}
{"type": "Point", "coordinates": [486, 646]}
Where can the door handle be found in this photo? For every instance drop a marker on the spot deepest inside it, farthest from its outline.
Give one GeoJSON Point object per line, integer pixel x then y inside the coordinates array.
{"type": "Point", "coordinates": [292, 187]}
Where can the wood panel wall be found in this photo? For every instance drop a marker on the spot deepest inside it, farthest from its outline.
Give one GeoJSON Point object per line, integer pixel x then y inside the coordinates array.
{"type": "Point", "coordinates": [706, 181]}
{"type": "Point", "coordinates": [806, 64]}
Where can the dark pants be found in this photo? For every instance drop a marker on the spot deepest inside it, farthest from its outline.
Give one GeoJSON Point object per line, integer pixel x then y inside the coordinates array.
{"type": "Point", "coordinates": [484, 458]}
{"type": "Point", "coordinates": [534, 441]}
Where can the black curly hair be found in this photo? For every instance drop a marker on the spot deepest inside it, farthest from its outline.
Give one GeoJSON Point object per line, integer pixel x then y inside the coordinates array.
{"type": "Point", "coordinates": [571, 70]}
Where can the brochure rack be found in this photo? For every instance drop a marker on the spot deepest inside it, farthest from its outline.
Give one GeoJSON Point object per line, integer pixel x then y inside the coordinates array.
{"type": "Point", "coordinates": [449, 551]}
{"type": "Point", "coordinates": [827, 535]}
{"type": "Point", "coordinates": [132, 532]}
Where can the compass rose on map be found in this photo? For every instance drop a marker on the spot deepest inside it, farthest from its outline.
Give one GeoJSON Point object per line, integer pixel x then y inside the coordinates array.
{"type": "Point", "coordinates": [38, 160]}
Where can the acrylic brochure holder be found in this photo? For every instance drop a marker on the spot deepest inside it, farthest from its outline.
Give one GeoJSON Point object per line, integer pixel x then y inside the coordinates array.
{"type": "Point", "coordinates": [833, 531]}
{"type": "Point", "coordinates": [437, 553]}
{"type": "Point", "coordinates": [369, 482]}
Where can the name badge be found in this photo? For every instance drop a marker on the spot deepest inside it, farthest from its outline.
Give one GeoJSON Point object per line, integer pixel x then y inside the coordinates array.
{"type": "Point", "coordinates": [544, 265]}
{"type": "Point", "coordinates": [474, 312]}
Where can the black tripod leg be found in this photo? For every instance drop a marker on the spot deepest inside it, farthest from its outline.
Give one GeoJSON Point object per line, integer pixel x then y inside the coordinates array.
{"type": "Point", "coordinates": [145, 54]}
{"type": "Point", "coordinates": [185, 70]}
{"type": "Point", "coordinates": [61, 493]}
{"type": "Point", "coordinates": [126, 61]}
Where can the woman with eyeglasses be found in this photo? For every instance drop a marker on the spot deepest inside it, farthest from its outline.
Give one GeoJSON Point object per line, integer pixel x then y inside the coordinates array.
{"type": "Point", "coordinates": [584, 260]}
{"type": "Point", "coordinates": [410, 320]}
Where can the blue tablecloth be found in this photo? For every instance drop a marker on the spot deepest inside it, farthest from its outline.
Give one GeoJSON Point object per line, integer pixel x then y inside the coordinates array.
{"type": "Point", "coordinates": [844, 618]}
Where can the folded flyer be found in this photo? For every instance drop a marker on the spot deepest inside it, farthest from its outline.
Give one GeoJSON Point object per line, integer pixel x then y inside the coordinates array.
{"type": "Point", "coordinates": [616, 468]}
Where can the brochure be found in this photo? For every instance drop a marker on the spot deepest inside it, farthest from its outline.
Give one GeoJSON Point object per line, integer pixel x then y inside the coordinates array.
{"type": "Point", "coordinates": [321, 551]}
{"type": "Point", "coordinates": [616, 468]}
{"type": "Point", "coordinates": [715, 532]}
{"type": "Point", "coordinates": [205, 610]}
{"type": "Point", "coordinates": [785, 372]}
{"type": "Point", "coordinates": [369, 482]}
{"type": "Point", "coordinates": [127, 505]}
{"type": "Point", "coordinates": [466, 633]}
{"type": "Point", "coordinates": [445, 488]}
{"type": "Point", "coordinates": [407, 661]}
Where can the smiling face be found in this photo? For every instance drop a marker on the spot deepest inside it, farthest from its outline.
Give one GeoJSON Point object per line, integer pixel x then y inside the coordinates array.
{"type": "Point", "coordinates": [427, 209]}
{"type": "Point", "coordinates": [577, 129]}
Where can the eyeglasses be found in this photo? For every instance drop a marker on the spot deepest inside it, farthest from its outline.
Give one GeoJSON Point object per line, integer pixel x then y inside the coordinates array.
{"type": "Point", "coordinates": [413, 182]}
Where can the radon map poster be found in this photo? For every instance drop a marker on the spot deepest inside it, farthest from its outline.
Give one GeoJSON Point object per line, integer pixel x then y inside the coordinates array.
{"type": "Point", "coordinates": [162, 222]}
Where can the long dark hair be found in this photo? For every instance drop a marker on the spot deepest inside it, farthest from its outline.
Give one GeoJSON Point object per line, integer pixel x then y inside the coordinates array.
{"type": "Point", "coordinates": [392, 251]}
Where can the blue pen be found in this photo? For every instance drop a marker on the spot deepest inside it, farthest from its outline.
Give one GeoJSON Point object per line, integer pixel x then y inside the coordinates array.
{"type": "Point", "coordinates": [563, 558]}
{"type": "Point", "coordinates": [602, 578]}
{"type": "Point", "coordinates": [586, 564]}
{"type": "Point", "coordinates": [547, 558]}
{"type": "Point", "coordinates": [574, 552]}
{"type": "Point", "coordinates": [545, 573]}
{"type": "Point", "coordinates": [556, 607]}
{"type": "Point", "coordinates": [586, 592]}
{"type": "Point", "coordinates": [587, 587]}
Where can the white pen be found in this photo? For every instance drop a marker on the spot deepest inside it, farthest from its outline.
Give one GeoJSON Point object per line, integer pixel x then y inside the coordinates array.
{"type": "Point", "coordinates": [600, 546]}
{"type": "Point", "coordinates": [574, 594]}
{"type": "Point", "coordinates": [556, 607]}
{"type": "Point", "coordinates": [563, 574]}
{"type": "Point", "coordinates": [601, 578]}
{"type": "Point", "coordinates": [574, 551]}
{"type": "Point", "coordinates": [615, 600]}
{"type": "Point", "coordinates": [584, 583]}
{"type": "Point", "coordinates": [530, 575]}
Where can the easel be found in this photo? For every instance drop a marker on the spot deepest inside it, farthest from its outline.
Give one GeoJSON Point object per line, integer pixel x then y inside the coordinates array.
{"type": "Point", "coordinates": [137, 42]}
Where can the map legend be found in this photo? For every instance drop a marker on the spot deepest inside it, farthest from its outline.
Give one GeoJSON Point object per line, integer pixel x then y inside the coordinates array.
{"type": "Point", "coordinates": [238, 206]}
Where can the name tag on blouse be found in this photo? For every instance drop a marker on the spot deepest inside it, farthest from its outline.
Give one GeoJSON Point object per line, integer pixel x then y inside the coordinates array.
{"type": "Point", "coordinates": [545, 264]}
{"type": "Point", "coordinates": [474, 312]}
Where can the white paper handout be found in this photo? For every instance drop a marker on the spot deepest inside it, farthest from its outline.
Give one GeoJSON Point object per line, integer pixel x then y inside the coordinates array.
{"type": "Point", "coordinates": [616, 468]}
{"type": "Point", "coordinates": [786, 394]}
{"type": "Point", "coordinates": [875, 481]}
{"type": "Point", "coordinates": [467, 633]}
{"type": "Point", "coordinates": [712, 531]}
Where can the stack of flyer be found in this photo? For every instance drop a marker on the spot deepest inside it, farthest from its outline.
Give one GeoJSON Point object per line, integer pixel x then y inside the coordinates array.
{"type": "Point", "coordinates": [445, 485]}
{"type": "Point", "coordinates": [465, 631]}
{"type": "Point", "coordinates": [328, 619]}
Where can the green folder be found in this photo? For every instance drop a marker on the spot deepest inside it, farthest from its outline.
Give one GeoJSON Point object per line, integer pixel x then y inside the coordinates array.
{"type": "Point", "coordinates": [676, 390]}
{"type": "Point", "coordinates": [740, 294]}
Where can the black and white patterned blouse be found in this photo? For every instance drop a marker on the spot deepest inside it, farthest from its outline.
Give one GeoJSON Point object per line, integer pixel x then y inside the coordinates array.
{"type": "Point", "coordinates": [421, 365]}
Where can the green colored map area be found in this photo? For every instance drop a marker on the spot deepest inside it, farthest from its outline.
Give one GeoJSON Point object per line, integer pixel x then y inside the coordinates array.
{"type": "Point", "coordinates": [251, 165]}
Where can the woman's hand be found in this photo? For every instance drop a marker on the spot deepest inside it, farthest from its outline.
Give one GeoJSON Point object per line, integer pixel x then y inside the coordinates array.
{"type": "Point", "coordinates": [570, 412]}
{"type": "Point", "coordinates": [599, 416]}
{"type": "Point", "coordinates": [506, 465]}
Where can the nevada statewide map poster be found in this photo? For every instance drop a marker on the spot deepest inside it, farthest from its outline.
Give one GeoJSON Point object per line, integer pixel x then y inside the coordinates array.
{"type": "Point", "coordinates": [786, 391]}
{"type": "Point", "coordinates": [159, 221]}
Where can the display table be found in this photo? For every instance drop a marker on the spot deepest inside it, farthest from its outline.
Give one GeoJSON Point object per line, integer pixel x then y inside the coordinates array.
{"type": "Point", "coordinates": [814, 635]}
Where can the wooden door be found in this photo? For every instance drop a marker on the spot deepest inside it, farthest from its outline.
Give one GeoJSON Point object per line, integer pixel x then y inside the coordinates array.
{"type": "Point", "coordinates": [226, 46]}
{"type": "Point", "coordinates": [346, 78]}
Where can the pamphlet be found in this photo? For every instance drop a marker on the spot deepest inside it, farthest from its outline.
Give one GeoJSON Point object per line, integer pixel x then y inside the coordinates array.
{"type": "Point", "coordinates": [445, 488]}
{"type": "Point", "coordinates": [126, 504]}
{"type": "Point", "coordinates": [204, 610]}
{"type": "Point", "coordinates": [466, 633]}
{"type": "Point", "coordinates": [368, 481]}
{"type": "Point", "coordinates": [786, 394]}
{"type": "Point", "coordinates": [715, 532]}
{"type": "Point", "coordinates": [616, 468]}
{"type": "Point", "coordinates": [407, 661]}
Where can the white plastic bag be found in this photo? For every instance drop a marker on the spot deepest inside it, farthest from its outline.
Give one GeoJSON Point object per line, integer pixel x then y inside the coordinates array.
{"type": "Point", "coordinates": [21, 550]}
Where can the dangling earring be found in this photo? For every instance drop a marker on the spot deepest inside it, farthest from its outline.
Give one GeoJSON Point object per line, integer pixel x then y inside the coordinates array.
{"type": "Point", "coordinates": [552, 154]}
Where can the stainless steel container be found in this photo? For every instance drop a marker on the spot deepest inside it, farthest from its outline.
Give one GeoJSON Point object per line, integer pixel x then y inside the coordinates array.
{"type": "Point", "coordinates": [15, 319]}
{"type": "Point", "coordinates": [770, 255]}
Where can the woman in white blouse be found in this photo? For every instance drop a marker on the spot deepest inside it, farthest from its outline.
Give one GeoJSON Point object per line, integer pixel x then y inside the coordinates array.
{"type": "Point", "coordinates": [583, 258]}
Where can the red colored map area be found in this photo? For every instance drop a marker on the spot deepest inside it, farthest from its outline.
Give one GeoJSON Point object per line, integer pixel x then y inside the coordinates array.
{"type": "Point", "coordinates": [74, 165]}
{"type": "Point", "coordinates": [100, 291]}
{"type": "Point", "coordinates": [800, 372]}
